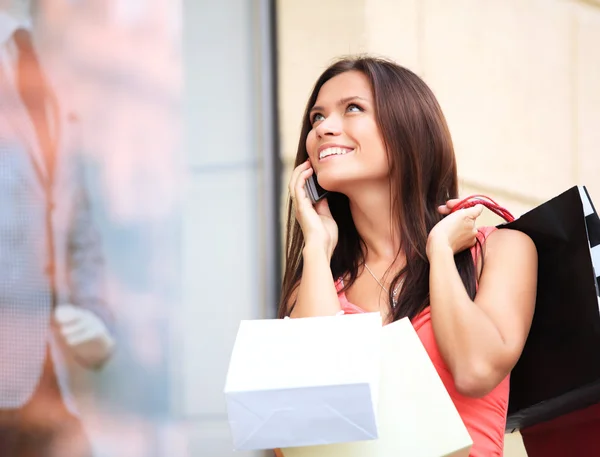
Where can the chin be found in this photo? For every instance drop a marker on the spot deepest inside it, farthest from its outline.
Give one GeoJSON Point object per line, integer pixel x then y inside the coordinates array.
{"type": "Point", "coordinates": [346, 182]}
{"type": "Point", "coordinates": [333, 182]}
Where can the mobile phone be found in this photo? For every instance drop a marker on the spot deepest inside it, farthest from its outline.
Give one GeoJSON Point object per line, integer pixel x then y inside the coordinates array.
{"type": "Point", "coordinates": [313, 190]}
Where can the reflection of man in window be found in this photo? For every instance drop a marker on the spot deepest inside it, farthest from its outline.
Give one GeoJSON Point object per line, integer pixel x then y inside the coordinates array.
{"type": "Point", "coordinates": [50, 261]}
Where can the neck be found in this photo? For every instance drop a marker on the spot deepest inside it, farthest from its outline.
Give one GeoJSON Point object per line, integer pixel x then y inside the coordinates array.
{"type": "Point", "coordinates": [371, 209]}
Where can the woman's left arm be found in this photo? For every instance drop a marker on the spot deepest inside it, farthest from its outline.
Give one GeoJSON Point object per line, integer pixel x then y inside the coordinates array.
{"type": "Point", "coordinates": [482, 339]}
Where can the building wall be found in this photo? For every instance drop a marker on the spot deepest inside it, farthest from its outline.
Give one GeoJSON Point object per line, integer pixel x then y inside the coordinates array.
{"type": "Point", "coordinates": [517, 80]}
{"type": "Point", "coordinates": [225, 261]}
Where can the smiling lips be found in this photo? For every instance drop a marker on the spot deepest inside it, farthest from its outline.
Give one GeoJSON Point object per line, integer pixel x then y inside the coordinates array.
{"type": "Point", "coordinates": [336, 150]}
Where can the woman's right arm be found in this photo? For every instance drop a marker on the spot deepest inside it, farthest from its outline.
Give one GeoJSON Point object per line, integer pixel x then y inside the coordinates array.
{"type": "Point", "coordinates": [316, 294]}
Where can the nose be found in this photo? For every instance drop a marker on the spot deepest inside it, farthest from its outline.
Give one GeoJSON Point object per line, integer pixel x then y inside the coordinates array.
{"type": "Point", "coordinates": [330, 126]}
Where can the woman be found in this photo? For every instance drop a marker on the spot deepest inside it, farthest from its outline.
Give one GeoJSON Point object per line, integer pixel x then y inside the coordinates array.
{"type": "Point", "coordinates": [385, 238]}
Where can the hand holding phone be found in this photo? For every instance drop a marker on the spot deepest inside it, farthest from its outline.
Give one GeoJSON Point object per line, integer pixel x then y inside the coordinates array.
{"type": "Point", "coordinates": [314, 216]}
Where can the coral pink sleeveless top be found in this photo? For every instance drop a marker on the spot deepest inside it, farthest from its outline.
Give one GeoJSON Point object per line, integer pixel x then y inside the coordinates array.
{"type": "Point", "coordinates": [484, 418]}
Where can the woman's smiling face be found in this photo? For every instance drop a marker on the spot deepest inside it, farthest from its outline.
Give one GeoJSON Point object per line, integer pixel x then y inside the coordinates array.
{"type": "Point", "coordinates": [345, 145]}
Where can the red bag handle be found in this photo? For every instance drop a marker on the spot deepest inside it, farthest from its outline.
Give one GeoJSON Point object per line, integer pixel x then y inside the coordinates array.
{"type": "Point", "coordinates": [490, 204]}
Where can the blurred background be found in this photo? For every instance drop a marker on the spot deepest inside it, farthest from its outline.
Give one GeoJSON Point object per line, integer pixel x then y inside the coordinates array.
{"type": "Point", "coordinates": [190, 112]}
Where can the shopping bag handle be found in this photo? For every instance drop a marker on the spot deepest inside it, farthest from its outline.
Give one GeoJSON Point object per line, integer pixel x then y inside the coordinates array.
{"type": "Point", "coordinates": [490, 204]}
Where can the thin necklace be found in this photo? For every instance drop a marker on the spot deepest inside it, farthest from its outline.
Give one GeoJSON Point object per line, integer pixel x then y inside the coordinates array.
{"type": "Point", "coordinates": [396, 289]}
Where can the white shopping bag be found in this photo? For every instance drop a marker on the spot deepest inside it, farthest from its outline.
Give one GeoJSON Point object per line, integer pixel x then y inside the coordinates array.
{"type": "Point", "coordinates": [300, 382]}
{"type": "Point", "coordinates": [416, 416]}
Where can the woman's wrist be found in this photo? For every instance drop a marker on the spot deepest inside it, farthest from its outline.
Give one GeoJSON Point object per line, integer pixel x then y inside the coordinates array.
{"type": "Point", "coordinates": [313, 249]}
{"type": "Point", "coordinates": [437, 247]}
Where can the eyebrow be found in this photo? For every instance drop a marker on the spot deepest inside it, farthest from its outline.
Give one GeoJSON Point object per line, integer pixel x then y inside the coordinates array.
{"type": "Point", "coordinates": [343, 101]}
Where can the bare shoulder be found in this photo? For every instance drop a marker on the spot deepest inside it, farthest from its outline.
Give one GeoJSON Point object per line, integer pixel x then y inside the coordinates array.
{"type": "Point", "coordinates": [510, 264]}
{"type": "Point", "coordinates": [509, 242]}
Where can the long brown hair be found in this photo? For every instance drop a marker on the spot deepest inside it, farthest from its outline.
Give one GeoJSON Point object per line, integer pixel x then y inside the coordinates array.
{"type": "Point", "coordinates": [423, 176]}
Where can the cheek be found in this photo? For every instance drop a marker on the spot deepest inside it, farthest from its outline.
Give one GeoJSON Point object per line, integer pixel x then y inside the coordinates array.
{"type": "Point", "coordinates": [311, 143]}
{"type": "Point", "coordinates": [372, 145]}
{"type": "Point", "coordinates": [380, 161]}
{"type": "Point", "coordinates": [364, 131]}
{"type": "Point", "coordinates": [379, 155]}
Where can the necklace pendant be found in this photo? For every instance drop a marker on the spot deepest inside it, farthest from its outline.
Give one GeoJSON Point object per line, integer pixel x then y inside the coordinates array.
{"type": "Point", "coordinates": [394, 292]}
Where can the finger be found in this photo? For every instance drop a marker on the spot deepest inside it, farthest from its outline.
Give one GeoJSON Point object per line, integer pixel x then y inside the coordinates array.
{"type": "Point", "coordinates": [294, 177]}
{"type": "Point", "coordinates": [452, 202]}
{"type": "Point", "coordinates": [301, 197]}
{"type": "Point", "coordinates": [298, 193]}
{"type": "Point", "coordinates": [448, 206]}
{"type": "Point", "coordinates": [475, 211]}
{"type": "Point", "coordinates": [296, 171]}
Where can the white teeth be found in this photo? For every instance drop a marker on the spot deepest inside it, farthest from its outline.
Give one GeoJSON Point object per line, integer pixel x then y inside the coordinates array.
{"type": "Point", "coordinates": [333, 151]}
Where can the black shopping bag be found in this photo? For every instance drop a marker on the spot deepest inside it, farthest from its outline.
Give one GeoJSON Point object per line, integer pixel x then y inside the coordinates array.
{"type": "Point", "coordinates": [559, 369]}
